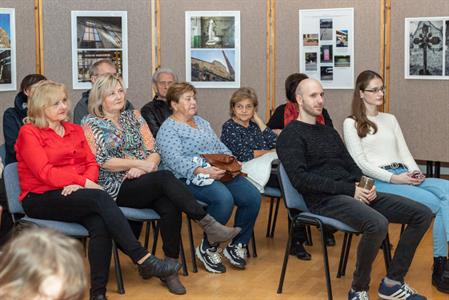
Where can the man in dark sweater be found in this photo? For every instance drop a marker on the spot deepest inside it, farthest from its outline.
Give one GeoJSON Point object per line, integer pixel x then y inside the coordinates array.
{"type": "Point", "coordinates": [320, 167]}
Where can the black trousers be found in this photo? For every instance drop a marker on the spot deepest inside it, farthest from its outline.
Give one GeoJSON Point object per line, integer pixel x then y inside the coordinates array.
{"type": "Point", "coordinates": [169, 197]}
{"type": "Point", "coordinates": [372, 221]}
{"type": "Point", "coordinates": [98, 212]}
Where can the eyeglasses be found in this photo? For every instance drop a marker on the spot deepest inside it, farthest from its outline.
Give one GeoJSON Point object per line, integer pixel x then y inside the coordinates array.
{"type": "Point", "coordinates": [241, 107]}
{"type": "Point", "coordinates": [376, 90]}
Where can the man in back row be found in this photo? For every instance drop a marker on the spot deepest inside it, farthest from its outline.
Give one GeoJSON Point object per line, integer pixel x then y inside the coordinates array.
{"type": "Point", "coordinates": [100, 67]}
{"type": "Point", "coordinates": [320, 167]}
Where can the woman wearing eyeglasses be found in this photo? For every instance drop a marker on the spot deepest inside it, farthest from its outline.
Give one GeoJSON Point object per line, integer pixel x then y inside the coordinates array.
{"type": "Point", "coordinates": [375, 141]}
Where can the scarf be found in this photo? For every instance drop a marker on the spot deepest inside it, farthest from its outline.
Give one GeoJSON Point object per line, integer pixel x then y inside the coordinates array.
{"type": "Point", "coordinates": [291, 113]}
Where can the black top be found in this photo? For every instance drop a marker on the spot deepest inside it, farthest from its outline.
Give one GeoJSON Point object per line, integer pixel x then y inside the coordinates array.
{"type": "Point", "coordinates": [12, 121]}
{"type": "Point", "coordinates": [317, 162]}
{"type": "Point", "coordinates": [155, 113]}
{"type": "Point", "coordinates": [277, 119]}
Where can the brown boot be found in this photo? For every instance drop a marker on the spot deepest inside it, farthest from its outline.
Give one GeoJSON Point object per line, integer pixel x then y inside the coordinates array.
{"type": "Point", "coordinates": [172, 282]}
{"type": "Point", "coordinates": [216, 232]}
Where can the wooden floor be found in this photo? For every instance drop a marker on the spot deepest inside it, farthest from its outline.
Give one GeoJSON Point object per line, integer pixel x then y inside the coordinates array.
{"type": "Point", "coordinates": [304, 280]}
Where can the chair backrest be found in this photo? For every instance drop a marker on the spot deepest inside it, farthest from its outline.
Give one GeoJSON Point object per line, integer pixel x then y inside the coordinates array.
{"type": "Point", "coordinates": [12, 189]}
{"type": "Point", "coordinates": [3, 152]}
{"type": "Point", "coordinates": [292, 198]}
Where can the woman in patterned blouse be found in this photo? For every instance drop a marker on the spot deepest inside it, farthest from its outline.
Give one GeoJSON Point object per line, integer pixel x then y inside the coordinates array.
{"type": "Point", "coordinates": [182, 139]}
{"type": "Point", "coordinates": [125, 150]}
{"type": "Point", "coordinates": [245, 134]}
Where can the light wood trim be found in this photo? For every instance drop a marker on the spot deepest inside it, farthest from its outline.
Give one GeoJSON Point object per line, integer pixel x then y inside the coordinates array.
{"type": "Point", "coordinates": [39, 32]}
{"type": "Point", "coordinates": [155, 35]}
{"type": "Point", "coordinates": [158, 31]}
{"type": "Point", "coordinates": [267, 60]}
{"type": "Point", "coordinates": [273, 54]}
{"type": "Point", "coordinates": [387, 47]}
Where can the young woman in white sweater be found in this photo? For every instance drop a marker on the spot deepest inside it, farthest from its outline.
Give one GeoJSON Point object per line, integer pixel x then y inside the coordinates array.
{"type": "Point", "coordinates": [376, 143]}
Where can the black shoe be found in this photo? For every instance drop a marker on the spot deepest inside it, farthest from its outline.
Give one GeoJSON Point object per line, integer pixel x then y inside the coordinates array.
{"type": "Point", "coordinates": [98, 297]}
{"type": "Point", "coordinates": [300, 252]}
{"type": "Point", "coordinates": [440, 274]}
{"type": "Point", "coordinates": [153, 266]}
{"type": "Point", "coordinates": [330, 239]}
{"type": "Point", "coordinates": [174, 285]}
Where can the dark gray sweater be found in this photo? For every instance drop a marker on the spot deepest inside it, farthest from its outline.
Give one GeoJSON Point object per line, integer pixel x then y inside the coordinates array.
{"type": "Point", "coordinates": [317, 162]}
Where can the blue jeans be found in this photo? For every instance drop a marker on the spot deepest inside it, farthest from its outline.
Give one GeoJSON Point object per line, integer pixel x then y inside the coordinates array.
{"type": "Point", "coordinates": [221, 198]}
{"type": "Point", "coordinates": [433, 193]}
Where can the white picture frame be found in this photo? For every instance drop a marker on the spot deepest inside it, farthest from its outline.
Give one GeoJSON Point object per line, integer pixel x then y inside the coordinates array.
{"type": "Point", "coordinates": [213, 48]}
{"type": "Point", "coordinates": [98, 35]}
{"type": "Point", "coordinates": [326, 46]}
{"type": "Point", "coordinates": [8, 71]}
{"type": "Point", "coordinates": [430, 31]}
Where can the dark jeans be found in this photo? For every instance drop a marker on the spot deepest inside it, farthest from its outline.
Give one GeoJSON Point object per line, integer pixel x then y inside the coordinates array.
{"type": "Point", "coordinates": [99, 213]}
{"type": "Point", "coordinates": [372, 221]}
{"type": "Point", "coordinates": [169, 197]}
{"type": "Point", "coordinates": [6, 223]}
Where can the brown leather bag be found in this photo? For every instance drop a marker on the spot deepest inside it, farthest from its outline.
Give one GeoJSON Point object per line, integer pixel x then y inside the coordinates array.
{"type": "Point", "coordinates": [225, 162]}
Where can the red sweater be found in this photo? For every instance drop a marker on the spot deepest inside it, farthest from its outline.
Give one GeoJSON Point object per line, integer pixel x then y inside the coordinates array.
{"type": "Point", "coordinates": [47, 161]}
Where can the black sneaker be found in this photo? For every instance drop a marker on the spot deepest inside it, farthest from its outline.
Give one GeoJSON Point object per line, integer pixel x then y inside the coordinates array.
{"type": "Point", "coordinates": [211, 258]}
{"type": "Point", "coordinates": [236, 254]}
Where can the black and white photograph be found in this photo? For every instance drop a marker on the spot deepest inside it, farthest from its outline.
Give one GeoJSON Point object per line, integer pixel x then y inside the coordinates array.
{"type": "Point", "coordinates": [310, 39]}
{"type": "Point", "coordinates": [342, 61]}
{"type": "Point", "coordinates": [424, 48]}
{"type": "Point", "coordinates": [213, 32]}
{"type": "Point", "coordinates": [213, 48]}
{"type": "Point", "coordinates": [98, 35]}
{"type": "Point", "coordinates": [329, 55]}
{"type": "Point", "coordinates": [326, 29]}
{"type": "Point", "coordinates": [341, 38]}
{"type": "Point", "coordinates": [446, 50]}
{"type": "Point", "coordinates": [311, 61]}
{"type": "Point", "coordinates": [7, 50]}
{"type": "Point", "coordinates": [327, 73]}
{"type": "Point", "coordinates": [326, 54]}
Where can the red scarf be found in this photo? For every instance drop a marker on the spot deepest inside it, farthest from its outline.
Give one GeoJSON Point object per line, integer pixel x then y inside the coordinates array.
{"type": "Point", "coordinates": [291, 113]}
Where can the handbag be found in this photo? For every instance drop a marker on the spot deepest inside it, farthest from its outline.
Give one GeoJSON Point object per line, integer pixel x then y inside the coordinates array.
{"type": "Point", "coordinates": [225, 162]}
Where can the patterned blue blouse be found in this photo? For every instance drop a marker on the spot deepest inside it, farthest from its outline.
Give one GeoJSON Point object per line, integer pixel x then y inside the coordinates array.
{"type": "Point", "coordinates": [179, 144]}
{"type": "Point", "coordinates": [243, 141]}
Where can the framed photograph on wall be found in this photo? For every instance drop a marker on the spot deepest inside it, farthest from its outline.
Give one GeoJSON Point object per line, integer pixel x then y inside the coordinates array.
{"type": "Point", "coordinates": [425, 44]}
{"type": "Point", "coordinates": [326, 46]}
{"type": "Point", "coordinates": [98, 35]}
{"type": "Point", "coordinates": [8, 77]}
{"type": "Point", "coordinates": [213, 49]}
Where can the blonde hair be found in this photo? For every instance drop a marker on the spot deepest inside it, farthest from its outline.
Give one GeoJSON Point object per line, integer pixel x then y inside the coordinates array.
{"type": "Point", "coordinates": [36, 254]}
{"type": "Point", "coordinates": [101, 89]}
{"type": "Point", "coordinates": [242, 93]}
{"type": "Point", "coordinates": [44, 94]}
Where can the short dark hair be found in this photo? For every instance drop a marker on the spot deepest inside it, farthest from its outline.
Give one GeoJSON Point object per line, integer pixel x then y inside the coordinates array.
{"type": "Point", "coordinates": [176, 90]}
{"type": "Point", "coordinates": [291, 83]}
{"type": "Point", "coordinates": [29, 80]}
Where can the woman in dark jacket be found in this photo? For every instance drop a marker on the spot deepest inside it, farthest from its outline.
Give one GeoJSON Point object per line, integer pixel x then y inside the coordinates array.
{"type": "Point", "coordinates": [13, 116]}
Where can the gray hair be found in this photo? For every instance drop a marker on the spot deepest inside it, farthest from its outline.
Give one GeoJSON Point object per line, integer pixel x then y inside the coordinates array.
{"type": "Point", "coordinates": [93, 70]}
{"type": "Point", "coordinates": [164, 71]}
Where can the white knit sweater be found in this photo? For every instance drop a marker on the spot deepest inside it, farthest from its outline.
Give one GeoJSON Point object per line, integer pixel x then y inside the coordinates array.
{"type": "Point", "coordinates": [376, 150]}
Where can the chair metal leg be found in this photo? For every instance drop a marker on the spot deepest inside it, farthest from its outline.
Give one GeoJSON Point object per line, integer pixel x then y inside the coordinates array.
{"type": "Point", "coordinates": [155, 236]}
{"type": "Point", "coordinates": [192, 246]}
{"type": "Point", "coordinates": [253, 241]}
{"type": "Point", "coordinates": [118, 269]}
{"type": "Point", "coordinates": [326, 262]}
{"type": "Point", "coordinates": [402, 229]}
{"type": "Point", "coordinates": [147, 234]}
{"type": "Point", "coordinates": [348, 247]}
{"type": "Point", "coordinates": [185, 272]}
{"type": "Point", "coordinates": [276, 211]}
{"type": "Point", "coordinates": [284, 264]}
{"type": "Point", "coordinates": [309, 241]}
{"type": "Point", "coordinates": [387, 252]}
{"type": "Point", "coordinates": [343, 252]}
{"type": "Point", "coordinates": [270, 215]}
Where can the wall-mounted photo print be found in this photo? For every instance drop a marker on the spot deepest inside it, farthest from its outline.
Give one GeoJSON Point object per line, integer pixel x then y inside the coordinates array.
{"type": "Point", "coordinates": [98, 35]}
{"type": "Point", "coordinates": [426, 53]}
{"type": "Point", "coordinates": [310, 39]}
{"type": "Point", "coordinates": [7, 50]}
{"type": "Point", "coordinates": [324, 56]}
{"type": "Point", "coordinates": [213, 49]}
{"type": "Point", "coordinates": [326, 29]}
{"type": "Point", "coordinates": [341, 38]}
{"type": "Point", "coordinates": [311, 61]}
